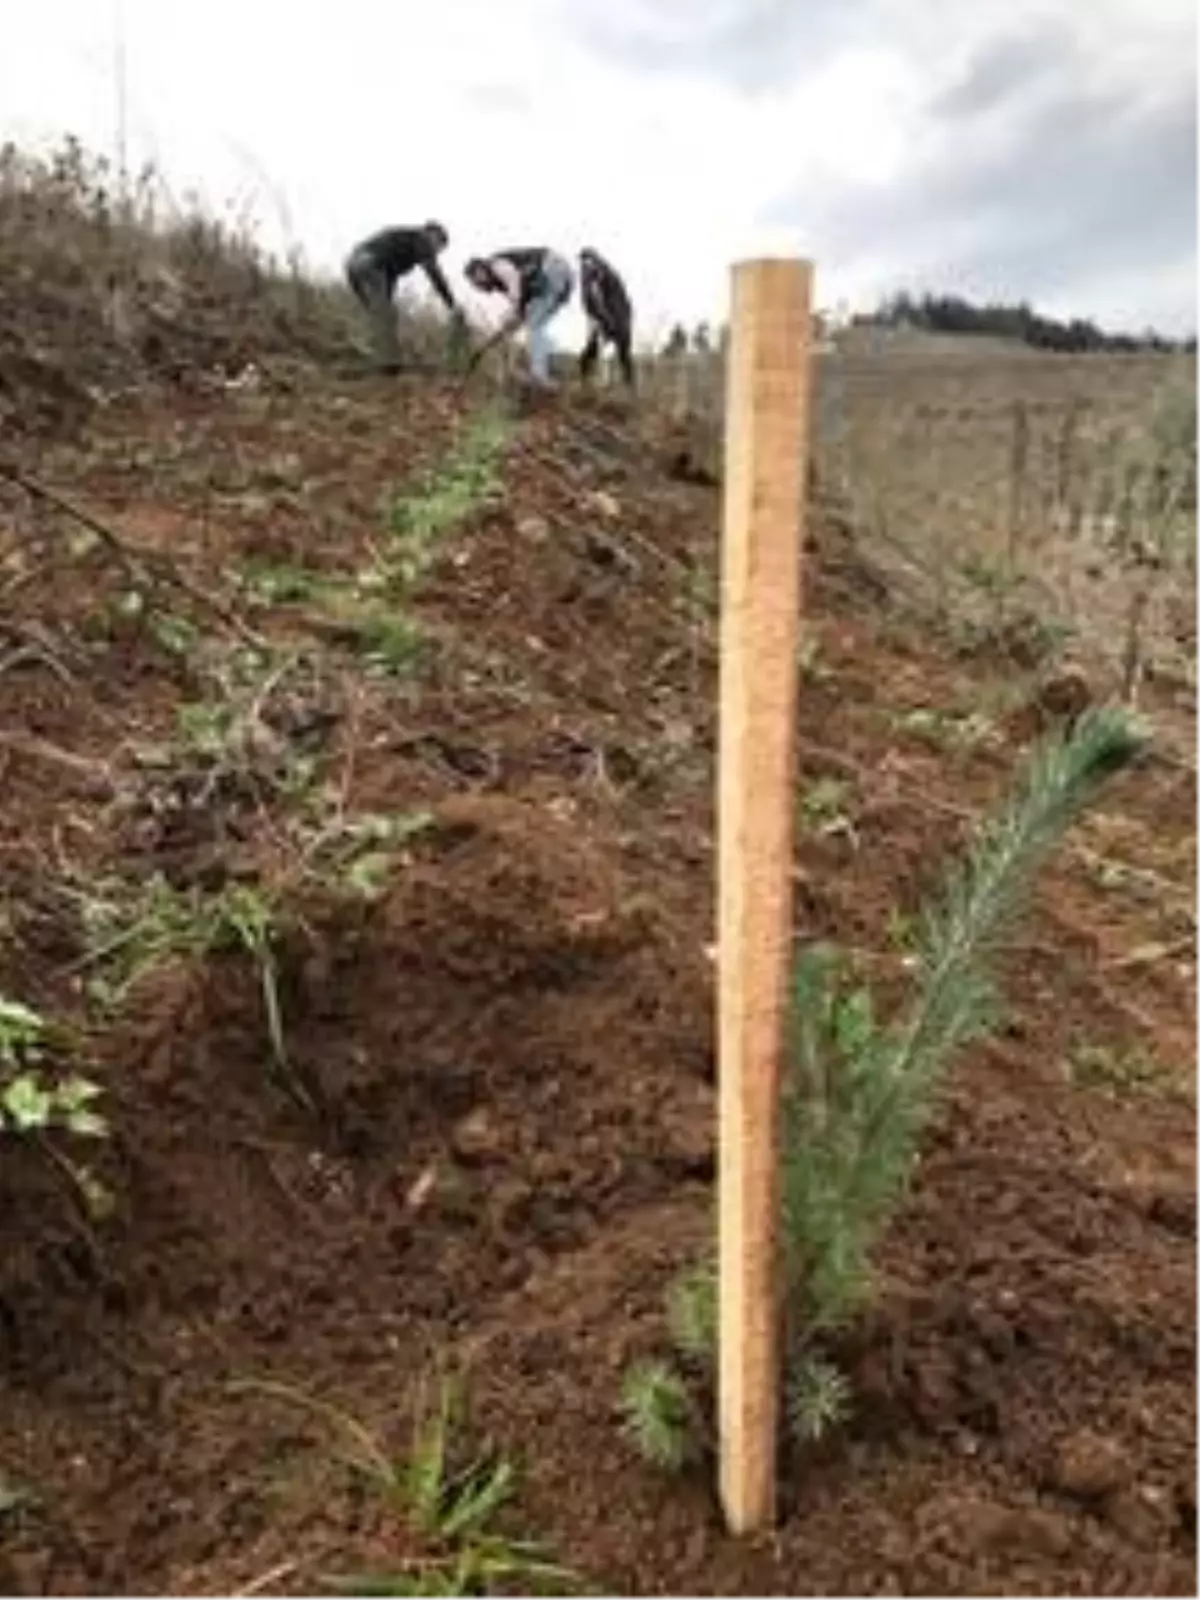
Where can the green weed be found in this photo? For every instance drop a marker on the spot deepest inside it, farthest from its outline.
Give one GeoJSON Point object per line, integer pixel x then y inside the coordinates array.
{"type": "Point", "coordinates": [419, 522]}
{"type": "Point", "coordinates": [449, 1497]}
{"type": "Point", "coordinates": [1120, 1072]}
{"type": "Point", "coordinates": [824, 810]}
{"type": "Point", "coordinates": [131, 934]}
{"type": "Point", "coordinates": [30, 1100]}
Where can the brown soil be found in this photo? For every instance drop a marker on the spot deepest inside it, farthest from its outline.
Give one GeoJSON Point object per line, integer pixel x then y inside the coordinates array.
{"type": "Point", "coordinates": [512, 1052]}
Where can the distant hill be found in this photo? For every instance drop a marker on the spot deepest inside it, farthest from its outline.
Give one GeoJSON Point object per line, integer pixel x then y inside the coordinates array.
{"type": "Point", "coordinates": [1017, 324]}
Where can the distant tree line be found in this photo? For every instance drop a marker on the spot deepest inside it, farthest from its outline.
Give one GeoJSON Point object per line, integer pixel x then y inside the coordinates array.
{"type": "Point", "coordinates": [948, 313]}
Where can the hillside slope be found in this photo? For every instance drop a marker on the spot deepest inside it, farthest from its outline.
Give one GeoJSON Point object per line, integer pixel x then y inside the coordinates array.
{"type": "Point", "coordinates": [497, 1001]}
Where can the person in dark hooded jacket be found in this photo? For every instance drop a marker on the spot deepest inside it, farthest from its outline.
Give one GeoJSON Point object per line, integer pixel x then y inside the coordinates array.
{"type": "Point", "coordinates": [609, 314]}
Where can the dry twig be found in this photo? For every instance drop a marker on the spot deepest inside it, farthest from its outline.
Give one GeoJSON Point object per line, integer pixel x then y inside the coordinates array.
{"type": "Point", "coordinates": [150, 566]}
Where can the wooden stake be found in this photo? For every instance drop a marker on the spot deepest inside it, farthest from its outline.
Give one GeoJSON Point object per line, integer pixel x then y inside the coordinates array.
{"type": "Point", "coordinates": [766, 439]}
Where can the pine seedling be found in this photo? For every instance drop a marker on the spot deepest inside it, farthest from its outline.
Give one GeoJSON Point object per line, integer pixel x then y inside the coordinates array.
{"type": "Point", "coordinates": [692, 1313]}
{"type": "Point", "coordinates": [860, 1095]}
{"type": "Point", "coordinates": [659, 1415]}
{"type": "Point", "coordinates": [818, 1399]}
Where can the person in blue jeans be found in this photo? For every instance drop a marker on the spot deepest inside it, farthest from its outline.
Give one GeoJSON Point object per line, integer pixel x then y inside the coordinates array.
{"type": "Point", "coordinates": [537, 282]}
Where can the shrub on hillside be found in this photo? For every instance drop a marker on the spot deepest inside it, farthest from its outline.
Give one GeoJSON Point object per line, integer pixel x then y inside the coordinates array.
{"type": "Point", "coordinates": [103, 285]}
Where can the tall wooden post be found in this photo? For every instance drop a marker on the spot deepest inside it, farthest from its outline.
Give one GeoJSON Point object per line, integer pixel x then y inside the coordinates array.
{"type": "Point", "coordinates": [766, 443]}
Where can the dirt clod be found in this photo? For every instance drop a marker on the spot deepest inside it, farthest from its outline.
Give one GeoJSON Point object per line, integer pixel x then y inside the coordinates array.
{"type": "Point", "coordinates": [1089, 1466]}
{"type": "Point", "coordinates": [1144, 1513]}
{"type": "Point", "coordinates": [476, 1137]}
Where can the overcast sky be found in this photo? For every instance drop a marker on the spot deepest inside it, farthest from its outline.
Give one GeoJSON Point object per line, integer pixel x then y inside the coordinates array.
{"type": "Point", "coordinates": [1040, 149]}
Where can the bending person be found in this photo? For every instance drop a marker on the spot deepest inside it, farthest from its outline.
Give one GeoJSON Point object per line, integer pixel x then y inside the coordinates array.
{"type": "Point", "coordinates": [374, 268]}
{"type": "Point", "coordinates": [537, 283]}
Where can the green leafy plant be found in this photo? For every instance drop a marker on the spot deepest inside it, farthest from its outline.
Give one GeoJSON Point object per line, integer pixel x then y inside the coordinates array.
{"type": "Point", "coordinates": [281, 583]}
{"type": "Point", "coordinates": [418, 522]}
{"type": "Point", "coordinates": [129, 931]}
{"type": "Point", "coordinates": [147, 613]}
{"type": "Point", "coordinates": [860, 1092]}
{"type": "Point", "coordinates": [812, 668]}
{"type": "Point", "coordinates": [824, 809]}
{"type": "Point", "coordinates": [30, 1100]}
{"type": "Point", "coordinates": [227, 734]}
{"type": "Point", "coordinates": [990, 574]}
{"type": "Point", "coordinates": [449, 1497]}
{"type": "Point", "coordinates": [365, 848]}
{"type": "Point", "coordinates": [391, 645]}
{"type": "Point", "coordinates": [176, 635]}
{"type": "Point", "coordinates": [1120, 1072]}
{"type": "Point", "coordinates": [901, 931]}
{"type": "Point", "coordinates": [36, 1102]}
{"type": "Point", "coordinates": [946, 730]}
{"type": "Point", "coordinates": [205, 726]}
{"type": "Point", "coordinates": [131, 934]}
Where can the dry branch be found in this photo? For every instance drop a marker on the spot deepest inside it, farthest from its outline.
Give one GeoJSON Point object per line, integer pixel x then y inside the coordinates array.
{"type": "Point", "coordinates": [149, 566]}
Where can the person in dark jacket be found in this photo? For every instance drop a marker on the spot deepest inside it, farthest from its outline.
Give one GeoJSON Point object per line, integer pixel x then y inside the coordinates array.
{"type": "Point", "coordinates": [537, 282]}
{"type": "Point", "coordinates": [374, 268]}
{"type": "Point", "coordinates": [609, 314]}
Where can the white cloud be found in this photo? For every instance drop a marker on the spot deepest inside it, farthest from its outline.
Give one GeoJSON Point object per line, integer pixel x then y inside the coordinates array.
{"type": "Point", "coordinates": [505, 118]}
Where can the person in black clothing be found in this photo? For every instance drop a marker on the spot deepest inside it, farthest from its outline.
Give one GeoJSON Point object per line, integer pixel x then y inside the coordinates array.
{"type": "Point", "coordinates": [609, 314]}
{"type": "Point", "coordinates": [375, 267]}
{"type": "Point", "coordinates": [538, 283]}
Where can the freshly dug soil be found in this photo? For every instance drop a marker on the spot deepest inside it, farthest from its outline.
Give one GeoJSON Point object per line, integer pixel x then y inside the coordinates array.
{"type": "Point", "coordinates": [511, 1053]}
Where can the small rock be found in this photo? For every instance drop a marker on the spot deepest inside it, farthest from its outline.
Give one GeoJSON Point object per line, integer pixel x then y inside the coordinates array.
{"type": "Point", "coordinates": [962, 1521]}
{"type": "Point", "coordinates": [678, 733]}
{"type": "Point", "coordinates": [1065, 695]}
{"type": "Point", "coordinates": [1039, 1531]}
{"type": "Point", "coordinates": [534, 528]}
{"type": "Point", "coordinates": [606, 504]}
{"type": "Point", "coordinates": [253, 504]}
{"type": "Point", "coordinates": [287, 467]}
{"type": "Point", "coordinates": [420, 1191]}
{"type": "Point", "coordinates": [1144, 1514]}
{"type": "Point", "coordinates": [476, 1137]}
{"type": "Point", "coordinates": [970, 1521]}
{"type": "Point", "coordinates": [1089, 1466]}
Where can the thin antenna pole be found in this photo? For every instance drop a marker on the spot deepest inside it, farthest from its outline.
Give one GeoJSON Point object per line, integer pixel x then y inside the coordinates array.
{"type": "Point", "coordinates": [121, 89]}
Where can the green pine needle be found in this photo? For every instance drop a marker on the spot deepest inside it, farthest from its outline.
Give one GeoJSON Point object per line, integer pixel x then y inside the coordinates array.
{"type": "Point", "coordinates": [692, 1312]}
{"type": "Point", "coordinates": [818, 1399]}
{"type": "Point", "coordinates": [659, 1416]}
{"type": "Point", "coordinates": [860, 1094]}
